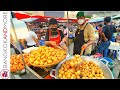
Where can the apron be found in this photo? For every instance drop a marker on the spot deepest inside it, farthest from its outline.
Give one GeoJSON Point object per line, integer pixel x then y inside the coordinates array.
{"type": "Point", "coordinates": [57, 39]}
{"type": "Point", "coordinates": [79, 41]}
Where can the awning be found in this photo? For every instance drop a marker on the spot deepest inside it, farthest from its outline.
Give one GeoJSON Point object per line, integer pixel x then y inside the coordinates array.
{"type": "Point", "coordinates": [116, 17]}
{"type": "Point", "coordinates": [100, 19]}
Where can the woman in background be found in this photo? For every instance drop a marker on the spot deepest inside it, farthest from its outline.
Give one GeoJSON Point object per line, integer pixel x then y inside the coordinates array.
{"type": "Point", "coordinates": [31, 38]}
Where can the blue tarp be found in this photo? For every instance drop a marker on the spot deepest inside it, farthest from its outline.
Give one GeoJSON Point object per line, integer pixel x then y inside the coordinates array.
{"type": "Point", "coordinates": [100, 19]}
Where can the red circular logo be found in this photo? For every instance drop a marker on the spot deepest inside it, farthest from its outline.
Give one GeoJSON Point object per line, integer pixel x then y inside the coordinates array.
{"type": "Point", "coordinates": [4, 74]}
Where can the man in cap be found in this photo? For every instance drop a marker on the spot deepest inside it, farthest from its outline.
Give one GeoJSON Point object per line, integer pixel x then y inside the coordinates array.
{"type": "Point", "coordinates": [54, 37]}
{"type": "Point", "coordinates": [84, 36]}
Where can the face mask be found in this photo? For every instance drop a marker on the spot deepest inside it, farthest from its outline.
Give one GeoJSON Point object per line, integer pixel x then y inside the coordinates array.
{"type": "Point", "coordinates": [53, 29]}
{"type": "Point", "coordinates": [81, 21]}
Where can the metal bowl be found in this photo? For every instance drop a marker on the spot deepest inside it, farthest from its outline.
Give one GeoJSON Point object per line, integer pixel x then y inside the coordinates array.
{"type": "Point", "coordinates": [107, 72]}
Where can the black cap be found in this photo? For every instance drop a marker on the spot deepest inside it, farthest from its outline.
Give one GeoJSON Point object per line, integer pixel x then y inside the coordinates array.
{"type": "Point", "coordinates": [53, 21]}
{"type": "Point", "coordinates": [107, 19]}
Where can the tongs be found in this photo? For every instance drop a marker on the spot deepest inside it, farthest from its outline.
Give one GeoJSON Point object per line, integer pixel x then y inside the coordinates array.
{"type": "Point", "coordinates": [81, 53]}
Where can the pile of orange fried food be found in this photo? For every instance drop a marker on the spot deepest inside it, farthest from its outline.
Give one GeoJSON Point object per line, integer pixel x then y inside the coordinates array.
{"type": "Point", "coordinates": [86, 70]}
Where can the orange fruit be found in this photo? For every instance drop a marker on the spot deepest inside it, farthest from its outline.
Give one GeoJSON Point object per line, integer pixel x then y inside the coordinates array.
{"type": "Point", "coordinates": [49, 61]}
{"type": "Point", "coordinates": [13, 69]}
{"type": "Point", "coordinates": [36, 62]}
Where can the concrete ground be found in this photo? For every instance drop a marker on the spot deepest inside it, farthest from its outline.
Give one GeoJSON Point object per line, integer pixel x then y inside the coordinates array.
{"type": "Point", "coordinates": [116, 68]}
{"type": "Point", "coordinates": [116, 63]}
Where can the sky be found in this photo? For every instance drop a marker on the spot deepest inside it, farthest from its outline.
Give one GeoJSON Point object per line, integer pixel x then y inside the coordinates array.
{"type": "Point", "coordinates": [59, 14]}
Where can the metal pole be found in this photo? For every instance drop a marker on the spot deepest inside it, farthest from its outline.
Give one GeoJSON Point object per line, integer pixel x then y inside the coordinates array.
{"type": "Point", "coordinates": [18, 44]}
{"type": "Point", "coordinates": [68, 33]}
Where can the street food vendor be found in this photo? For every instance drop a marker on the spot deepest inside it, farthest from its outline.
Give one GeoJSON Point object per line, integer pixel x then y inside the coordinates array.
{"type": "Point", "coordinates": [54, 36]}
{"type": "Point", "coordinates": [84, 36]}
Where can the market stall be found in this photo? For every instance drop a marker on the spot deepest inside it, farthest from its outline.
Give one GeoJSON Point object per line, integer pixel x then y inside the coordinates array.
{"type": "Point", "coordinates": [43, 62]}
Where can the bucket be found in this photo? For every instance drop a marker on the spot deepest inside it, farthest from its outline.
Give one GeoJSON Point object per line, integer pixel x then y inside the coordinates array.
{"type": "Point", "coordinates": [42, 42]}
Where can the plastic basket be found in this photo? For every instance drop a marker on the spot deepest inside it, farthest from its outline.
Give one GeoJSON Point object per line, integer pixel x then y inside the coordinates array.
{"type": "Point", "coordinates": [109, 60]}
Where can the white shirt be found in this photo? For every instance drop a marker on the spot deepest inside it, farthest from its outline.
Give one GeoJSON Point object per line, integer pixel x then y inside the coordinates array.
{"type": "Point", "coordinates": [29, 38]}
{"type": "Point", "coordinates": [66, 31]}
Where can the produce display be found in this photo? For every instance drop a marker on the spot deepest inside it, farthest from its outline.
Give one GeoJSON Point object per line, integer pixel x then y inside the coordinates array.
{"type": "Point", "coordinates": [16, 63]}
{"type": "Point", "coordinates": [86, 70]}
{"type": "Point", "coordinates": [46, 56]}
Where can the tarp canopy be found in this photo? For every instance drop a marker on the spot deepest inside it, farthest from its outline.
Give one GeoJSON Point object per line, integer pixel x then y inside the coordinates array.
{"type": "Point", "coordinates": [41, 20]}
{"type": "Point", "coordinates": [21, 15]}
{"type": "Point", "coordinates": [116, 17]}
{"type": "Point", "coordinates": [99, 19]}
{"type": "Point", "coordinates": [29, 18]}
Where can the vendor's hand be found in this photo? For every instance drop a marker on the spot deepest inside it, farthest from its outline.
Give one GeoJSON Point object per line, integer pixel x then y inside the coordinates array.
{"type": "Point", "coordinates": [53, 43]}
{"type": "Point", "coordinates": [84, 47]}
{"type": "Point", "coordinates": [37, 44]}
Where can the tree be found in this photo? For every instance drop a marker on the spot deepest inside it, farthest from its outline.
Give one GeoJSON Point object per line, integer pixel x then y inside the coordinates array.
{"type": "Point", "coordinates": [88, 16]}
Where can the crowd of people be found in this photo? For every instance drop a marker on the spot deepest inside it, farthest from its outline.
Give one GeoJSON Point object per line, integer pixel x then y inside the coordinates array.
{"type": "Point", "coordinates": [92, 37]}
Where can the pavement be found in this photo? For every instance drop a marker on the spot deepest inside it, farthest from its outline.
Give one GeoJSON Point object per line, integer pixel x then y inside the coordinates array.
{"type": "Point", "coordinates": [116, 68]}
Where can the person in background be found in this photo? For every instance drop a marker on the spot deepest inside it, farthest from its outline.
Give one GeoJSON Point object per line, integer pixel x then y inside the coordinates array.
{"type": "Point", "coordinates": [105, 37]}
{"type": "Point", "coordinates": [54, 36]}
{"type": "Point", "coordinates": [61, 28]}
{"type": "Point", "coordinates": [84, 36]}
{"type": "Point", "coordinates": [20, 40]}
{"type": "Point", "coordinates": [65, 30]}
{"type": "Point", "coordinates": [99, 32]}
{"type": "Point", "coordinates": [31, 38]}
{"type": "Point", "coordinates": [93, 24]}
{"type": "Point", "coordinates": [96, 25]}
